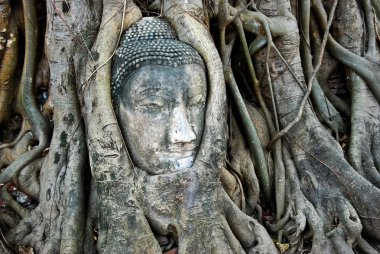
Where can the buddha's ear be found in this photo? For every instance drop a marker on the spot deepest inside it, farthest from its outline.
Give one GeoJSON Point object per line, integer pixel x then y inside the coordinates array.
{"type": "Point", "coordinates": [191, 31]}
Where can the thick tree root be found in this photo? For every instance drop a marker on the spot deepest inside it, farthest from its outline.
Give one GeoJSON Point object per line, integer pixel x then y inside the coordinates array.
{"type": "Point", "coordinates": [325, 176]}
{"type": "Point", "coordinates": [29, 108]}
{"type": "Point", "coordinates": [8, 155]}
{"type": "Point", "coordinates": [365, 124]}
{"type": "Point", "coordinates": [11, 203]}
{"type": "Point", "coordinates": [324, 196]}
{"type": "Point", "coordinates": [8, 59]}
{"type": "Point", "coordinates": [303, 214]}
{"type": "Point", "coordinates": [56, 225]}
{"type": "Point", "coordinates": [195, 213]}
{"type": "Point", "coordinates": [25, 128]}
{"type": "Point", "coordinates": [27, 180]}
{"type": "Point", "coordinates": [240, 160]}
{"type": "Point", "coordinates": [365, 247]}
{"type": "Point", "coordinates": [365, 119]}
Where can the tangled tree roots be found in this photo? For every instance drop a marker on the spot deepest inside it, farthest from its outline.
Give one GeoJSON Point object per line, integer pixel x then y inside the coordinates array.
{"type": "Point", "coordinates": [68, 184]}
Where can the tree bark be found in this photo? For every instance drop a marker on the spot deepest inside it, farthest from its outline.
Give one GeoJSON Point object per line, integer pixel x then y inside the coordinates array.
{"type": "Point", "coordinates": [272, 164]}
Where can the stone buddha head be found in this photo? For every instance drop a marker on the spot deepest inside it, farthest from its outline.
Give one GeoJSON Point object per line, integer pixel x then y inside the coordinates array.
{"type": "Point", "coordinates": [159, 91]}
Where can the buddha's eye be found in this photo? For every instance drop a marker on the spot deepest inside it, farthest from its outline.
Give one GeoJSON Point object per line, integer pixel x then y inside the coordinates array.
{"type": "Point", "coordinates": [153, 106]}
{"type": "Point", "coordinates": [197, 101]}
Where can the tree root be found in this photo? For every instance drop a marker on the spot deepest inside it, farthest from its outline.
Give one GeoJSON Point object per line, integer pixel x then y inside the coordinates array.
{"type": "Point", "coordinates": [248, 231]}
{"type": "Point", "coordinates": [255, 144]}
{"type": "Point", "coordinates": [323, 201]}
{"type": "Point", "coordinates": [8, 56]}
{"type": "Point", "coordinates": [57, 222]}
{"type": "Point", "coordinates": [30, 110]}
{"type": "Point", "coordinates": [365, 247]}
{"type": "Point", "coordinates": [240, 159]}
{"type": "Point", "coordinates": [7, 221]}
{"type": "Point", "coordinates": [232, 185]}
{"type": "Point", "coordinates": [11, 203]}
{"type": "Point", "coordinates": [27, 180]}
{"type": "Point", "coordinates": [7, 155]}
{"type": "Point", "coordinates": [327, 68]}
{"type": "Point", "coordinates": [367, 69]}
{"type": "Point", "coordinates": [255, 148]}
{"type": "Point", "coordinates": [206, 204]}
{"type": "Point", "coordinates": [115, 174]}
{"type": "Point", "coordinates": [5, 16]}
{"type": "Point", "coordinates": [310, 83]}
{"type": "Point", "coordinates": [365, 124]}
{"type": "Point", "coordinates": [365, 118]}
{"type": "Point", "coordinates": [321, 166]}
{"type": "Point", "coordinates": [25, 128]}
{"type": "Point", "coordinates": [302, 214]}
{"type": "Point", "coordinates": [325, 110]}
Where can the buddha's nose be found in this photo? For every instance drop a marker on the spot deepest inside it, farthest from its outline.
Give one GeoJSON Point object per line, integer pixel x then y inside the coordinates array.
{"type": "Point", "coordinates": [180, 130]}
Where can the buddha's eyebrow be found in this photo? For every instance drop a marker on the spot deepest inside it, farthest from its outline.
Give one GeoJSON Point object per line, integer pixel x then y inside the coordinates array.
{"type": "Point", "coordinates": [150, 88]}
{"type": "Point", "coordinates": [149, 92]}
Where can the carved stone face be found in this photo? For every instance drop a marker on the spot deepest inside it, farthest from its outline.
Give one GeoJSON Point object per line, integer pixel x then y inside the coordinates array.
{"type": "Point", "coordinates": [161, 113]}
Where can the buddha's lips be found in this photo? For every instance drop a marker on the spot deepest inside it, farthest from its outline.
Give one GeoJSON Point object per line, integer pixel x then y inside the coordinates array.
{"type": "Point", "coordinates": [177, 153]}
{"type": "Point", "coordinates": [186, 148]}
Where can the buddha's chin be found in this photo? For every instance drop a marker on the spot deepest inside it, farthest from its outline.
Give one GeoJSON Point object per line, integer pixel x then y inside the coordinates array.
{"type": "Point", "coordinates": [186, 162]}
{"type": "Point", "coordinates": [179, 162]}
{"type": "Point", "coordinates": [174, 160]}
{"type": "Point", "coordinates": [170, 164]}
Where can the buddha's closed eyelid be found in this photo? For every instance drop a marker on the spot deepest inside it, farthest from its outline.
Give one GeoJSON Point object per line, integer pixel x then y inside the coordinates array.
{"type": "Point", "coordinates": [147, 87]}
{"type": "Point", "coordinates": [197, 99]}
{"type": "Point", "coordinates": [144, 92]}
{"type": "Point", "coordinates": [151, 100]}
{"type": "Point", "coordinates": [154, 104]}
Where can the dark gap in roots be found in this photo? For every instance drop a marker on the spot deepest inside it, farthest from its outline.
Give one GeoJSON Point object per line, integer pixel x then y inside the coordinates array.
{"type": "Point", "coordinates": [374, 243]}
{"type": "Point", "coordinates": [22, 198]}
{"type": "Point", "coordinates": [168, 243]}
{"type": "Point", "coordinates": [240, 70]}
{"type": "Point", "coordinates": [65, 7]}
{"type": "Point", "coordinates": [9, 131]}
{"type": "Point", "coordinates": [337, 82]}
{"type": "Point", "coordinates": [144, 7]}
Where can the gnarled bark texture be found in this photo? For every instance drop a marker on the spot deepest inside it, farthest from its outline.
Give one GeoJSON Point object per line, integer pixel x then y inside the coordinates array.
{"type": "Point", "coordinates": [285, 163]}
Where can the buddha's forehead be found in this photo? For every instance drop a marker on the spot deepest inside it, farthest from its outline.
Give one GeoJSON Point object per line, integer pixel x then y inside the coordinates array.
{"type": "Point", "coordinates": [156, 79]}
